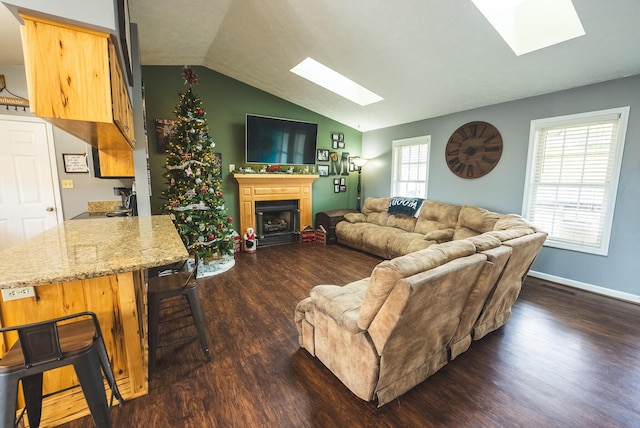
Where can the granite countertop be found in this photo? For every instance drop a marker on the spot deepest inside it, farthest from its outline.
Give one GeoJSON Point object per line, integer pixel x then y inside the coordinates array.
{"type": "Point", "coordinates": [90, 248]}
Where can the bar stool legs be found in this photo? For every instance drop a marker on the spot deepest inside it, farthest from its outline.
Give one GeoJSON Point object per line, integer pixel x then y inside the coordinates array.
{"type": "Point", "coordinates": [181, 284]}
{"type": "Point", "coordinates": [88, 372]}
{"type": "Point", "coordinates": [154, 300]}
{"type": "Point", "coordinates": [196, 311]}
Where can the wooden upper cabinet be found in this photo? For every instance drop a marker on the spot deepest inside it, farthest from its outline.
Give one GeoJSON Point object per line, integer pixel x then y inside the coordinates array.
{"type": "Point", "coordinates": [76, 83]}
{"type": "Point", "coordinates": [108, 163]}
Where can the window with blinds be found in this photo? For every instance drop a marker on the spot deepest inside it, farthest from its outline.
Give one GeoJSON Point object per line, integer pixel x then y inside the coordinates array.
{"type": "Point", "coordinates": [572, 178]}
{"type": "Point", "coordinates": [410, 160]}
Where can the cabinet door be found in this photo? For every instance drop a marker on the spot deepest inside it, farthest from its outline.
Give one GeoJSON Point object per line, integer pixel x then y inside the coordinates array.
{"type": "Point", "coordinates": [112, 163]}
{"type": "Point", "coordinates": [76, 83]}
{"type": "Point", "coordinates": [122, 111]}
{"type": "Point", "coordinates": [63, 66]}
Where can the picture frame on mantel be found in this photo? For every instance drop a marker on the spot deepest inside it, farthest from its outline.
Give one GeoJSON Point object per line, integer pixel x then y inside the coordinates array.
{"type": "Point", "coordinates": [125, 38]}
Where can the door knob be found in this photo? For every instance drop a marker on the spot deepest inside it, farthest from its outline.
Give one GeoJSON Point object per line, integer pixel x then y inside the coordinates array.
{"type": "Point", "coordinates": [49, 209]}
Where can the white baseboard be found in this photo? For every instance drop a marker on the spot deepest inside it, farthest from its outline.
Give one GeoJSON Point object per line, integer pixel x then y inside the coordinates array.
{"type": "Point", "coordinates": [628, 297]}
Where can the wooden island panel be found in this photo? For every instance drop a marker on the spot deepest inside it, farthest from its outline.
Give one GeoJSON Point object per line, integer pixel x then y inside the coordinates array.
{"type": "Point", "coordinates": [120, 312]}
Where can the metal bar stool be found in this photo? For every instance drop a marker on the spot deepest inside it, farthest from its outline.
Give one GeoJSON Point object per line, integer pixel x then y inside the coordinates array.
{"type": "Point", "coordinates": [47, 345]}
{"type": "Point", "coordinates": [181, 283]}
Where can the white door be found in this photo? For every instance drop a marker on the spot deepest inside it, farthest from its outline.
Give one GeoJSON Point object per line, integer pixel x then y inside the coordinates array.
{"type": "Point", "coordinates": [29, 195]}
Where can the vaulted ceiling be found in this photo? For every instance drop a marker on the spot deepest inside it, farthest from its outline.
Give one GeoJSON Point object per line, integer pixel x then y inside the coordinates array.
{"type": "Point", "coordinates": [426, 58]}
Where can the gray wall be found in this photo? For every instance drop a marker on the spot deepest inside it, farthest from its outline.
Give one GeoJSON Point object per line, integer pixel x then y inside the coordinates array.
{"type": "Point", "coordinates": [502, 189]}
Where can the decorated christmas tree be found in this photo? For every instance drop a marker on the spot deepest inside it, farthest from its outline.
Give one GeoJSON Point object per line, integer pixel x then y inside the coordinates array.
{"type": "Point", "coordinates": [193, 195]}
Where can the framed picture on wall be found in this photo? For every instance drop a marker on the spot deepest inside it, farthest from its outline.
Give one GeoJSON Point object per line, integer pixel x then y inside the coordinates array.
{"type": "Point", "coordinates": [323, 170]}
{"type": "Point", "coordinates": [165, 129]}
{"type": "Point", "coordinates": [323, 155]}
{"type": "Point", "coordinates": [75, 162]}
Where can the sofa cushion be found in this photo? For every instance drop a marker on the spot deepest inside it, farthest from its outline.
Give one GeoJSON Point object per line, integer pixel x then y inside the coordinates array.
{"type": "Point", "coordinates": [474, 221]}
{"type": "Point", "coordinates": [505, 235]}
{"type": "Point", "coordinates": [512, 221]}
{"type": "Point", "coordinates": [436, 216]}
{"type": "Point", "coordinates": [401, 221]}
{"type": "Point", "coordinates": [376, 210]}
{"type": "Point", "coordinates": [352, 233]}
{"type": "Point", "coordinates": [485, 242]}
{"type": "Point", "coordinates": [375, 205]}
{"type": "Point", "coordinates": [376, 239]}
{"type": "Point", "coordinates": [407, 242]}
{"type": "Point", "coordinates": [387, 273]}
{"type": "Point", "coordinates": [379, 219]}
{"type": "Point", "coordinates": [443, 235]}
{"type": "Point", "coordinates": [355, 217]}
{"type": "Point", "coordinates": [342, 304]}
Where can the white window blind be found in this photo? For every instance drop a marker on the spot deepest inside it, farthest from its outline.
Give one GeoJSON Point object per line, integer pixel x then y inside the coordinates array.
{"type": "Point", "coordinates": [410, 167]}
{"type": "Point", "coordinates": [572, 177]}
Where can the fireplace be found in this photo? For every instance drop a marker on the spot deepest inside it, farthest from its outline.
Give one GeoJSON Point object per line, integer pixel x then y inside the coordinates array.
{"type": "Point", "coordinates": [277, 222]}
{"type": "Point", "coordinates": [275, 189]}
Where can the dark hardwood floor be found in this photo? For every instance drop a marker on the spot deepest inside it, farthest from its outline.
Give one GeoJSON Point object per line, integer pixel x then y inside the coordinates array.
{"type": "Point", "coordinates": [566, 358]}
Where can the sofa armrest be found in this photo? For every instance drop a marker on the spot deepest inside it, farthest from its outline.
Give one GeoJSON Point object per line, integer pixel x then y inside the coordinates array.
{"type": "Point", "coordinates": [342, 304]}
{"type": "Point", "coordinates": [442, 235]}
{"type": "Point", "coordinates": [355, 218]}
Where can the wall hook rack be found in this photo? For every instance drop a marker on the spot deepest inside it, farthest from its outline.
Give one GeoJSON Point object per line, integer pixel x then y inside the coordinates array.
{"type": "Point", "coordinates": [13, 101]}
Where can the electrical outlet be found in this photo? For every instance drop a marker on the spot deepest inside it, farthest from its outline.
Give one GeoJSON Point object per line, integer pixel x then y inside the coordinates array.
{"type": "Point", "coordinates": [17, 293]}
{"type": "Point", "coordinates": [67, 184]}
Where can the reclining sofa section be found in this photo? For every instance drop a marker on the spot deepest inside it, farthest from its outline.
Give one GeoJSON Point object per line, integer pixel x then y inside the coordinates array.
{"type": "Point", "coordinates": [454, 273]}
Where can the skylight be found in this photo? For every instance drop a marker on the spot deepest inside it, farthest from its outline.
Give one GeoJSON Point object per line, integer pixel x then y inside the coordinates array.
{"type": "Point", "coordinates": [529, 25]}
{"type": "Point", "coordinates": [329, 79]}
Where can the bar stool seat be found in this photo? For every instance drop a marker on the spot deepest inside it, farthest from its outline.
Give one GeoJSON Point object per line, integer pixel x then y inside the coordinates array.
{"type": "Point", "coordinates": [181, 283]}
{"type": "Point", "coordinates": [47, 345]}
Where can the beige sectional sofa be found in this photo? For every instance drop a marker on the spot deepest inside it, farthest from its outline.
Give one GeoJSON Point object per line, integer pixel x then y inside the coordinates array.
{"type": "Point", "coordinates": [387, 235]}
{"type": "Point", "coordinates": [384, 334]}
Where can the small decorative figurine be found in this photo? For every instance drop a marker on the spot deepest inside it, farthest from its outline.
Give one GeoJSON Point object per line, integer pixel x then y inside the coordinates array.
{"type": "Point", "coordinates": [250, 241]}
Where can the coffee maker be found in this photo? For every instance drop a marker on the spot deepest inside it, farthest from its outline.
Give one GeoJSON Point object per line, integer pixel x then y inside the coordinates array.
{"type": "Point", "coordinates": [129, 199]}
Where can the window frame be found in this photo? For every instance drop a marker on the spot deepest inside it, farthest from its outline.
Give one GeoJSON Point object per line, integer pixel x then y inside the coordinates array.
{"type": "Point", "coordinates": [616, 163]}
{"type": "Point", "coordinates": [412, 141]}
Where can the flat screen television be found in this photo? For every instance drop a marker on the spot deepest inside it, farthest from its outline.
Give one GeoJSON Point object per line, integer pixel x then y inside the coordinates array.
{"type": "Point", "coordinates": [275, 141]}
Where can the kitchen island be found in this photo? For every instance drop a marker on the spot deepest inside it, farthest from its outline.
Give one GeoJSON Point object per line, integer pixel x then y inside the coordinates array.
{"type": "Point", "coordinates": [93, 265]}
